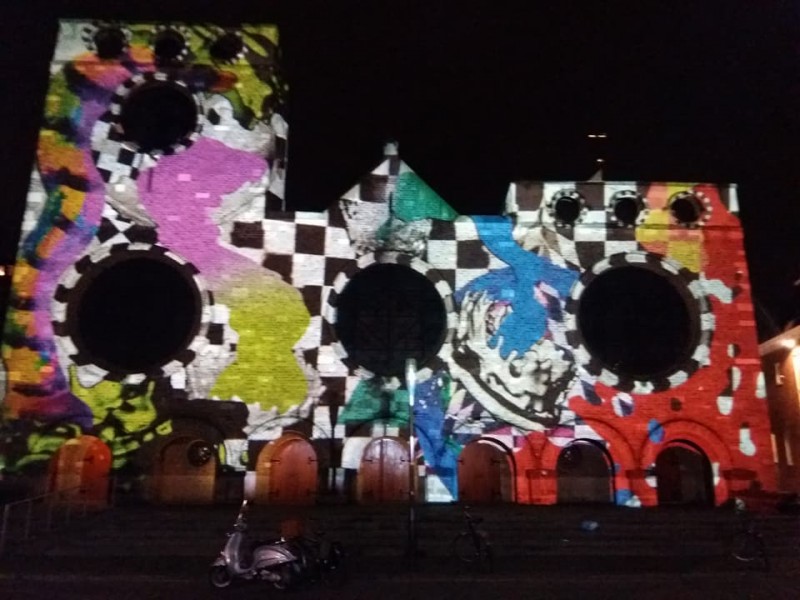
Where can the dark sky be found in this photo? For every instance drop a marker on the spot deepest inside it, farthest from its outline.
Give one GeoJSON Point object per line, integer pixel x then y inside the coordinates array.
{"type": "Point", "coordinates": [481, 93]}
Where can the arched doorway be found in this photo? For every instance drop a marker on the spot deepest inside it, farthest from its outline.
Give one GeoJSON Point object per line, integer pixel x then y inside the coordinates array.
{"type": "Point", "coordinates": [584, 473]}
{"type": "Point", "coordinates": [383, 475]}
{"type": "Point", "coordinates": [683, 475]}
{"type": "Point", "coordinates": [485, 473]}
{"type": "Point", "coordinates": [286, 472]}
{"type": "Point", "coordinates": [80, 469]}
{"type": "Point", "coordinates": [186, 471]}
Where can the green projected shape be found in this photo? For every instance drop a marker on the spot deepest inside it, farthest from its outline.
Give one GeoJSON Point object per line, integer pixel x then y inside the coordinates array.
{"type": "Point", "coordinates": [416, 200]}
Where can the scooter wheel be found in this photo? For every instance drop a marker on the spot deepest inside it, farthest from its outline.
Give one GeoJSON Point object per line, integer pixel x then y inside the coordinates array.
{"type": "Point", "coordinates": [219, 577]}
{"type": "Point", "coordinates": [289, 574]}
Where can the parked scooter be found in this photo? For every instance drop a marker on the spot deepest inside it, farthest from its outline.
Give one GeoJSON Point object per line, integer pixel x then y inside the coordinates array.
{"type": "Point", "coordinates": [243, 558]}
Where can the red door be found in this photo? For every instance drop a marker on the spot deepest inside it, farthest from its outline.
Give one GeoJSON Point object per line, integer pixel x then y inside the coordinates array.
{"type": "Point", "coordinates": [384, 475]}
{"type": "Point", "coordinates": [80, 468]}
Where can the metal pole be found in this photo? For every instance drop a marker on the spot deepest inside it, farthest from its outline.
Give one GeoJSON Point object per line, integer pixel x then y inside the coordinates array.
{"type": "Point", "coordinates": [28, 515]}
{"type": "Point", "coordinates": [49, 522]}
{"type": "Point", "coordinates": [6, 511]}
{"type": "Point", "coordinates": [411, 378]}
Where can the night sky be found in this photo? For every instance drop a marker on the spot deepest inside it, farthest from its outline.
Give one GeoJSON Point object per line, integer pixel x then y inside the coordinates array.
{"type": "Point", "coordinates": [482, 93]}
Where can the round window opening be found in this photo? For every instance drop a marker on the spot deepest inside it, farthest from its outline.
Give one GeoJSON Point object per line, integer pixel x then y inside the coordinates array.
{"type": "Point", "coordinates": [567, 209]}
{"type": "Point", "coordinates": [686, 208]}
{"type": "Point", "coordinates": [199, 453]}
{"type": "Point", "coordinates": [226, 47]}
{"type": "Point", "coordinates": [168, 45]}
{"type": "Point", "coordinates": [158, 115]}
{"type": "Point", "coordinates": [110, 42]}
{"type": "Point", "coordinates": [388, 313]}
{"type": "Point", "coordinates": [636, 322]}
{"type": "Point", "coordinates": [135, 314]}
{"type": "Point", "coordinates": [627, 208]}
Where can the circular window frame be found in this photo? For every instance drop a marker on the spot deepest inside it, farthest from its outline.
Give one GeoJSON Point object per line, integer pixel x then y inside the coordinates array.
{"type": "Point", "coordinates": [330, 308]}
{"type": "Point", "coordinates": [702, 322]}
{"type": "Point", "coordinates": [567, 194]}
{"type": "Point", "coordinates": [236, 57]}
{"type": "Point", "coordinates": [177, 30]}
{"type": "Point", "coordinates": [701, 202]}
{"type": "Point", "coordinates": [125, 40]}
{"type": "Point", "coordinates": [157, 78]}
{"type": "Point", "coordinates": [80, 275]}
{"type": "Point", "coordinates": [641, 201]}
{"type": "Point", "coordinates": [89, 30]}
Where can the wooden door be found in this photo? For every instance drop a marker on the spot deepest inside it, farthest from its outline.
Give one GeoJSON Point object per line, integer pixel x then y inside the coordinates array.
{"type": "Point", "coordinates": [683, 476]}
{"type": "Point", "coordinates": [484, 474]}
{"type": "Point", "coordinates": [186, 472]}
{"type": "Point", "coordinates": [286, 473]}
{"type": "Point", "coordinates": [384, 474]}
{"type": "Point", "coordinates": [583, 471]}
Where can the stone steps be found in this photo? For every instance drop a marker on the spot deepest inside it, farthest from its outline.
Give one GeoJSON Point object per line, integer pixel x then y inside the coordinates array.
{"type": "Point", "coordinates": [515, 531]}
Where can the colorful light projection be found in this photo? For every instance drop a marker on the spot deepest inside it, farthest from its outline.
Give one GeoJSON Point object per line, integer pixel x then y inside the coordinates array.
{"type": "Point", "coordinates": [153, 136]}
{"type": "Point", "coordinates": [538, 356]}
{"type": "Point", "coordinates": [520, 365]}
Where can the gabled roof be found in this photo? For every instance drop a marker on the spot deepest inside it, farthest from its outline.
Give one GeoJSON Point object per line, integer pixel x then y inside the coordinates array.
{"type": "Point", "coordinates": [395, 183]}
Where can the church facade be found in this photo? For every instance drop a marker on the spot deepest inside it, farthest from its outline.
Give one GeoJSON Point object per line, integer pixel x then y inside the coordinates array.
{"type": "Point", "coordinates": [173, 324]}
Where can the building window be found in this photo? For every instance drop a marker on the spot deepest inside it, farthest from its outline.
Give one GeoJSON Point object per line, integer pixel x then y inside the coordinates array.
{"type": "Point", "coordinates": [134, 314]}
{"type": "Point", "coordinates": [636, 322]}
{"type": "Point", "coordinates": [388, 313]}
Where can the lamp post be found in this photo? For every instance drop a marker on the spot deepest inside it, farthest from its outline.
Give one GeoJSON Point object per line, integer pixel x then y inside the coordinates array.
{"type": "Point", "coordinates": [411, 379]}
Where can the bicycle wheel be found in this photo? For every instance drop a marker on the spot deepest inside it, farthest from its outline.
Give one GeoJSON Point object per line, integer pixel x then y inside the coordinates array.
{"type": "Point", "coordinates": [487, 555]}
{"type": "Point", "coordinates": [747, 547]}
{"type": "Point", "coordinates": [765, 564]}
{"type": "Point", "coordinates": [464, 548]}
{"type": "Point", "coordinates": [336, 567]}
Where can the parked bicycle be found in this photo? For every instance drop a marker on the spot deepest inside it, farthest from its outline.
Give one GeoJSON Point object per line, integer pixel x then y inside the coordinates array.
{"type": "Point", "coordinates": [321, 558]}
{"type": "Point", "coordinates": [472, 546]}
{"type": "Point", "coordinates": [748, 544]}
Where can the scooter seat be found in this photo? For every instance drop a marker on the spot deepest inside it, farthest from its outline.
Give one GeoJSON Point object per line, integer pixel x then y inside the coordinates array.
{"type": "Point", "coordinates": [247, 552]}
{"type": "Point", "coordinates": [266, 542]}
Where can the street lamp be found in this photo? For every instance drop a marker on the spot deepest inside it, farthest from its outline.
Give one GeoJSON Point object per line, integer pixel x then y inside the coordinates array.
{"type": "Point", "coordinates": [411, 380]}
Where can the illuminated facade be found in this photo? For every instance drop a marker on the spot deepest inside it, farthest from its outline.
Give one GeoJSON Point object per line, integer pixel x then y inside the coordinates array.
{"type": "Point", "coordinates": [594, 343]}
{"type": "Point", "coordinates": [781, 362]}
